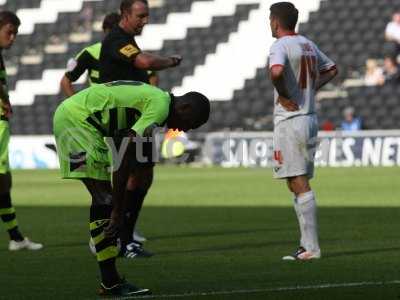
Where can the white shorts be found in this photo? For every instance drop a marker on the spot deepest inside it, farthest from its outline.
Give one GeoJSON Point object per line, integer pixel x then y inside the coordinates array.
{"type": "Point", "coordinates": [295, 143]}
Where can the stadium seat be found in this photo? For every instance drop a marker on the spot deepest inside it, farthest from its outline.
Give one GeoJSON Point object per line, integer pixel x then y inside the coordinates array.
{"type": "Point", "coordinates": [349, 31]}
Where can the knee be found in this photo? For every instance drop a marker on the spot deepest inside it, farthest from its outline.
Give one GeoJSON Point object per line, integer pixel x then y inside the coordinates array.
{"type": "Point", "coordinates": [299, 185]}
{"type": "Point", "coordinates": [131, 184]}
{"type": "Point", "coordinates": [145, 178]}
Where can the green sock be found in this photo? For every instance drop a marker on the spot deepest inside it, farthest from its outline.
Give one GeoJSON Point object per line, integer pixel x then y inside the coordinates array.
{"type": "Point", "coordinates": [8, 216]}
{"type": "Point", "coordinates": [106, 248]}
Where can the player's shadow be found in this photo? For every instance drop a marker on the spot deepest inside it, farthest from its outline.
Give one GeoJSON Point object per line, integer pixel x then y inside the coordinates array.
{"type": "Point", "coordinates": [360, 252]}
{"type": "Point", "coordinates": [216, 233]}
{"type": "Point", "coordinates": [180, 235]}
{"type": "Point", "coordinates": [202, 229]}
{"type": "Point", "coordinates": [230, 247]}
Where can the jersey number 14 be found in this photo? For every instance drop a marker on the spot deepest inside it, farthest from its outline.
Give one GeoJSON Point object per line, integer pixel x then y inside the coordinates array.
{"type": "Point", "coordinates": [308, 70]}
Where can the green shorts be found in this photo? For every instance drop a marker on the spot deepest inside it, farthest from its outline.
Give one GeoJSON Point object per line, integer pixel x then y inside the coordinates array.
{"type": "Point", "coordinates": [82, 151]}
{"type": "Point", "coordinates": [4, 141]}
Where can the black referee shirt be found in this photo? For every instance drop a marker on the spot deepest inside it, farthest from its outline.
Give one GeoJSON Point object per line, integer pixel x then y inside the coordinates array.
{"type": "Point", "coordinates": [118, 52]}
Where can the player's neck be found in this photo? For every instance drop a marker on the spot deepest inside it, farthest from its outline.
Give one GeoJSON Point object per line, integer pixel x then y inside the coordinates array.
{"type": "Point", "coordinates": [125, 27]}
{"type": "Point", "coordinates": [282, 33]}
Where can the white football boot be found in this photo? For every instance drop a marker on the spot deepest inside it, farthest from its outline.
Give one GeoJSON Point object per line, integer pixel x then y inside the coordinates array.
{"type": "Point", "coordinates": [302, 254]}
{"type": "Point", "coordinates": [24, 244]}
{"type": "Point", "coordinates": [138, 237]}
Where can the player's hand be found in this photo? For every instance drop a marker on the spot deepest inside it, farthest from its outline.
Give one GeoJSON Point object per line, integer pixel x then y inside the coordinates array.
{"type": "Point", "coordinates": [176, 60]}
{"type": "Point", "coordinates": [288, 104]}
{"type": "Point", "coordinates": [7, 110]}
{"type": "Point", "coordinates": [113, 228]}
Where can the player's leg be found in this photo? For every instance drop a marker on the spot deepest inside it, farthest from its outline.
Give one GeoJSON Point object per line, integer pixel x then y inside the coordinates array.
{"type": "Point", "coordinates": [295, 143]}
{"type": "Point", "coordinates": [135, 196]}
{"type": "Point", "coordinates": [83, 155]}
{"type": "Point", "coordinates": [100, 212]}
{"type": "Point", "coordinates": [138, 198]}
{"type": "Point", "coordinates": [302, 242]}
{"type": "Point", "coordinates": [132, 195]}
{"type": "Point", "coordinates": [138, 184]}
{"type": "Point", "coordinates": [106, 248]}
{"type": "Point", "coordinates": [7, 210]}
{"type": "Point", "coordinates": [80, 149]}
{"type": "Point", "coordinates": [306, 210]}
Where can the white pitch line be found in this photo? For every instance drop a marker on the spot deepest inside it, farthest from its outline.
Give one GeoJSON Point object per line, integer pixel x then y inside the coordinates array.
{"type": "Point", "coordinates": [276, 289]}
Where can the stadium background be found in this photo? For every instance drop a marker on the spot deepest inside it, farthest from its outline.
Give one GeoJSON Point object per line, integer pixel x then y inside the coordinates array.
{"type": "Point", "coordinates": [225, 46]}
{"type": "Point", "coordinates": [218, 233]}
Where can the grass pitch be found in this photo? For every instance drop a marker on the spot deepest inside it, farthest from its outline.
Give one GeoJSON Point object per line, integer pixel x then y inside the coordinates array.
{"type": "Point", "coordinates": [217, 234]}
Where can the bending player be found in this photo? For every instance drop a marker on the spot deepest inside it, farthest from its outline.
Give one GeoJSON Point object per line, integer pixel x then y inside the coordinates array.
{"type": "Point", "coordinates": [80, 124]}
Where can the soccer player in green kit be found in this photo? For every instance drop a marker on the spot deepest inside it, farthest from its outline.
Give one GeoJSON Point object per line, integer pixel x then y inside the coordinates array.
{"type": "Point", "coordinates": [87, 60]}
{"type": "Point", "coordinates": [9, 24]}
{"type": "Point", "coordinates": [80, 124]}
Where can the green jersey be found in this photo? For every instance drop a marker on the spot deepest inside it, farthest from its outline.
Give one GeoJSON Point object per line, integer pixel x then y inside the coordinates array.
{"type": "Point", "coordinates": [120, 105]}
{"type": "Point", "coordinates": [87, 59]}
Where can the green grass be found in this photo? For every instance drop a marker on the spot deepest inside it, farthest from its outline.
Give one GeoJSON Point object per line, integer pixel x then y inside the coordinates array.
{"type": "Point", "coordinates": [214, 230]}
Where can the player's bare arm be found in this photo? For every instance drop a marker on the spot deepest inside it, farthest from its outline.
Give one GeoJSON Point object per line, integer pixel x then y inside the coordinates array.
{"type": "Point", "coordinates": [153, 79]}
{"type": "Point", "coordinates": [390, 38]}
{"type": "Point", "coordinates": [119, 180]}
{"type": "Point", "coordinates": [325, 77]}
{"type": "Point", "coordinates": [278, 80]}
{"type": "Point", "coordinates": [147, 61]}
{"type": "Point", "coordinates": [66, 86]}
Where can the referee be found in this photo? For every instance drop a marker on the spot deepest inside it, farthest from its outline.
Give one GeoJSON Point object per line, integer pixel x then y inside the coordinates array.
{"type": "Point", "coordinates": [122, 59]}
{"type": "Point", "coordinates": [88, 60]}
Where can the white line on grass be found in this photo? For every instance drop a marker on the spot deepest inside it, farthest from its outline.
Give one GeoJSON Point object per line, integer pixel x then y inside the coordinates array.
{"type": "Point", "coordinates": [274, 289]}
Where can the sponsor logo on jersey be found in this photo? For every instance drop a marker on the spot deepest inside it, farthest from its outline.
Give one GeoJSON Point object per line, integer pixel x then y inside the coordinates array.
{"type": "Point", "coordinates": [129, 50]}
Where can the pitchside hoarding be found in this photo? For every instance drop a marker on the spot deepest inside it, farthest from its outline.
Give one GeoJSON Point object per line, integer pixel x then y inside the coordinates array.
{"type": "Point", "coordinates": [248, 149]}
{"type": "Point", "coordinates": [33, 152]}
{"type": "Point", "coordinates": [335, 149]}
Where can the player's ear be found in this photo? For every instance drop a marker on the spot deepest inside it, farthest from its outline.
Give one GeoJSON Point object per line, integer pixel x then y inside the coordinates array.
{"type": "Point", "coordinates": [274, 23]}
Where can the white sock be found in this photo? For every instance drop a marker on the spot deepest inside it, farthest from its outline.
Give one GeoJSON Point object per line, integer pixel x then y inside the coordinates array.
{"type": "Point", "coordinates": [306, 210]}
{"type": "Point", "coordinates": [299, 218]}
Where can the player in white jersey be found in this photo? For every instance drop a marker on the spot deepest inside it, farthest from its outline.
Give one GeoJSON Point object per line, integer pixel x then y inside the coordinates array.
{"type": "Point", "coordinates": [297, 70]}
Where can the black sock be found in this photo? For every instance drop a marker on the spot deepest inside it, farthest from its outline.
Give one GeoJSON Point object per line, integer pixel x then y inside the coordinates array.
{"type": "Point", "coordinates": [106, 249]}
{"type": "Point", "coordinates": [8, 216]}
{"type": "Point", "coordinates": [109, 273]}
{"type": "Point", "coordinates": [134, 200]}
{"type": "Point", "coordinates": [15, 234]}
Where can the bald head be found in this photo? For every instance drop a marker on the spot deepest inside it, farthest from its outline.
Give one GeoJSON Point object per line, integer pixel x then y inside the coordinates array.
{"type": "Point", "coordinates": [189, 111]}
